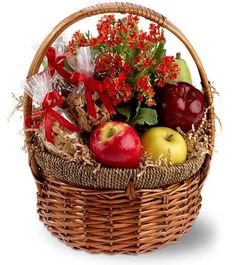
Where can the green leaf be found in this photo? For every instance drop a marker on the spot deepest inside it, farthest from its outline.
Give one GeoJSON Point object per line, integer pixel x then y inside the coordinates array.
{"type": "Point", "coordinates": [130, 54]}
{"type": "Point", "coordinates": [45, 63]}
{"type": "Point", "coordinates": [130, 81]}
{"type": "Point", "coordinates": [88, 35]}
{"type": "Point", "coordinates": [137, 110]}
{"type": "Point", "coordinates": [124, 111]}
{"type": "Point", "coordinates": [164, 52]}
{"type": "Point", "coordinates": [67, 66]}
{"type": "Point", "coordinates": [159, 51]}
{"type": "Point", "coordinates": [140, 74]}
{"type": "Point", "coordinates": [145, 115]}
{"type": "Point", "coordinates": [101, 48]}
{"type": "Point", "coordinates": [118, 49]}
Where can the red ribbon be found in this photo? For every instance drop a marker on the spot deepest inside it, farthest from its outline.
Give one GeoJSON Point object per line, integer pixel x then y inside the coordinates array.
{"type": "Point", "coordinates": [51, 100]}
{"type": "Point", "coordinates": [91, 86]}
{"type": "Point", "coordinates": [56, 63]}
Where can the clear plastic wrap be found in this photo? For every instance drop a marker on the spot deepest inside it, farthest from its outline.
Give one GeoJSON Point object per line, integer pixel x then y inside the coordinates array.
{"type": "Point", "coordinates": [60, 84]}
{"type": "Point", "coordinates": [56, 63]}
{"type": "Point", "coordinates": [55, 127]}
{"type": "Point", "coordinates": [85, 102]}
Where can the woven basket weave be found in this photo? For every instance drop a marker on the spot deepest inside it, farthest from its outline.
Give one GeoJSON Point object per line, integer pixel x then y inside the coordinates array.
{"type": "Point", "coordinates": [116, 178]}
{"type": "Point", "coordinates": [136, 218]}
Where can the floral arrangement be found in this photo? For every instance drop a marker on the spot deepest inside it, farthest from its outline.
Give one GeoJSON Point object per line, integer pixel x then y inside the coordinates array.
{"type": "Point", "coordinates": [130, 62]}
{"type": "Point", "coordinates": [110, 93]}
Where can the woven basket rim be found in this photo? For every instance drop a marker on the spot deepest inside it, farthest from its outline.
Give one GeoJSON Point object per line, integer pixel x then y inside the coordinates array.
{"type": "Point", "coordinates": [88, 176]}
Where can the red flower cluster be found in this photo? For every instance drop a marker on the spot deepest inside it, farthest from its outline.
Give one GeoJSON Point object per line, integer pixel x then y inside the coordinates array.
{"type": "Point", "coordinates": [78, 40]}
{"type": "Point", "coordinates": [129, 61]}
{"type": "Point", "coordinates": [108, 65]}
{"type": "Point", "coordinates": [117, 88]}
{"type": "Point", "coordinates": [145, 90]}
{"type": "Point", "coordinates": [167, 70]}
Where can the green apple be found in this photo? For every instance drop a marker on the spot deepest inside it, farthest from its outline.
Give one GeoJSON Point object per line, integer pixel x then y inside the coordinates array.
{"type": "Point", "coordinates": [184, 74]}
{"type": "Point", "coordinates": [166, 143]}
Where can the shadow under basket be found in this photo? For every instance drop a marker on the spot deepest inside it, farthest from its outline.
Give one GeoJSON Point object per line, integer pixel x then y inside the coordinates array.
{"type": "Point", "coordinates": [130, 220]}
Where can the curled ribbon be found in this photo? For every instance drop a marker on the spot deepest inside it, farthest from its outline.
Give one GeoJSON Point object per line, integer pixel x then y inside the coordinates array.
{"type": "Point", "coordinates": [51, 100]}
{"type": "Point", "coordinates": [56, 63]}
{"type": "Point", "coordinates": [91, 86]}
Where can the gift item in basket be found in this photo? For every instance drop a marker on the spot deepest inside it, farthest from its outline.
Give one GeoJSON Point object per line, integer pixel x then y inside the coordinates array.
{"type": "Point", "coordinates": [64, 88]}
{"type": "Point", "coordinates": [119, 210]}
{"type": "Point", "coordinates": [56, 57]}
{"type": "Point", "coordinates": [180, 105]}
{"type": "Point", "coordinates": [89, 105]}
{"type": "Point", "coordinates": [65, 142]}
{"type": "Point", "coordinates": [55, 128]}
{"type": "Point", "coordinates": [77, 102]}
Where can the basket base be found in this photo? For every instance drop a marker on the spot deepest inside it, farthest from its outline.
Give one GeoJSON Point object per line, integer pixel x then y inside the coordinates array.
{"type": "Point", "coordinates": [107, 221]}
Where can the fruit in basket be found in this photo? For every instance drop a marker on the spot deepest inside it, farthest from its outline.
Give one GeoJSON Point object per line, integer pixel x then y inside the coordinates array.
{"type": "Point", "coordinates": [180, 105]}
{"type": "Point", "coordinates": [116, 144]}
{"type": "Point", "coordinates": [165, 144]}
{"type": "Point", "coordinates": [184, 74]}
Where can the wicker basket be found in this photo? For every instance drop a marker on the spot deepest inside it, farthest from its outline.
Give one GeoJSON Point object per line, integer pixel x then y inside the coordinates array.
{"type": "Point", "coordinates": [109, 220]}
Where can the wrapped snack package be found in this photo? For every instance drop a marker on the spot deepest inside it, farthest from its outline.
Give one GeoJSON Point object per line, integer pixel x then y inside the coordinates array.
{"type": "Point", "coordinates": [88, 104]}
{"type": "Point", "coordinates": [56, 56]}
{"type": "Point", "coordinates": [64, 88]}
{"type": "Point", "coordinates": [55, 127]}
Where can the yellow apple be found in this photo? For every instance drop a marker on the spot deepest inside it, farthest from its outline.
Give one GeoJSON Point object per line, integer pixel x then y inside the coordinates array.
{"type": "Point", "coordinates": [165, 143]}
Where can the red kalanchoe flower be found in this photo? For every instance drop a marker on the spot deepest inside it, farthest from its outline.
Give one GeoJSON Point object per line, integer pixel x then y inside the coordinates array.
{"type": "Point", "coordinates": [78, 40]}
{"type": "Point", "coordinates": [167, 70]}
{"type": "Point", "coordinates": [128, 60]}
{"type": "Point", "coordinates": [145, 90]}
{"type": "Point", "coordinates": [117, 88]}
{"type": "Point", "coordinates": [140, 98]}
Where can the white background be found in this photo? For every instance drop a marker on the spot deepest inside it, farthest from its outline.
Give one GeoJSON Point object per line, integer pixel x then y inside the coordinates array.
{"type": "Point", "coordinates": [210, 27]}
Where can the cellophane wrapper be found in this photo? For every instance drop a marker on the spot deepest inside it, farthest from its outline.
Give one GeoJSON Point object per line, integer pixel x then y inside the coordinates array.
{"type": "Point", "coordinates": [59, 83]}
{"type": "Point", "coordinates": [84, 63]}
{"type": "Point", "coordinates": [65, 141]}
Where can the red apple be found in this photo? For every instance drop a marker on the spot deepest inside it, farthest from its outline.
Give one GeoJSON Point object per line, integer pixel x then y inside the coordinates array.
{"type": "Point", "coordinates": [116, 144]}
{"type": "Point", "coordinates": [180, 105]}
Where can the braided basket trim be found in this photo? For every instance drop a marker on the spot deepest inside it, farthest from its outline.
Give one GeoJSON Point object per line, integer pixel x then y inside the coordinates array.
{"type": "Point", "coordinates": [116, 178]}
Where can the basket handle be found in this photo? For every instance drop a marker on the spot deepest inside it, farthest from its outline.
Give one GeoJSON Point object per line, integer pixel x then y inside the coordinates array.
{"type": "Point", "coordinates": [115, 8]}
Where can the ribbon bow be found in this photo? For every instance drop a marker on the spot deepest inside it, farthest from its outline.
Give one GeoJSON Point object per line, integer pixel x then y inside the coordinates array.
{"type": "Point", "coordinates": [51, 100]}
{"type": "Point", "coordinates": [56, 63]}
{"type": "Point", "coordinates": [91, 86]}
